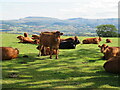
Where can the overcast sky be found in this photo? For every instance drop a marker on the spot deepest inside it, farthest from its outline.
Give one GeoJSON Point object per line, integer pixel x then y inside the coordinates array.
{"type": "Point", "coordinates": [61, 9]}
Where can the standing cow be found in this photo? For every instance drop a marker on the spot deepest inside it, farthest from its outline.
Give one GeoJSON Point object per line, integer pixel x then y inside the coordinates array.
{"type": "Point", "coordinates": [50, 39]}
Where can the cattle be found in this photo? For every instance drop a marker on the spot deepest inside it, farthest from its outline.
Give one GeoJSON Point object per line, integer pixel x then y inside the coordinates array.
{"type": "Point", "coordinates": [112, 65]}
{"type": "Point", "coordinates": [109, 51]}
{"type": "Point", "coordinates": [74, 40]}
{"type": "Point", "coordinates": [35, 36]}
{"type": "Point", "coordinates": [51, 40]}
{"type": "Point", "coordinates": [37, 41]}
{"type": "Point", "coordinates": [67, 45]}
{"type": "Point", "coordinates": [92, 40]}
{"type": "Point", "coordinates": [25, 39]}
{"type": "Point", "coordinates": [46, 51]}
{"type": "Point", "coordinates": [108, 41]}
{"type": "Point", "coordinates": [25, 34]}
{"type": "Point", "coordinates": [8, 53]}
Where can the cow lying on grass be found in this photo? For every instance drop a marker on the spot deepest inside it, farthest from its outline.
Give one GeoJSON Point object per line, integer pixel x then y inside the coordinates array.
{"type": "Point", "coordinates": [109, 51]}
{"type": "Point", "coordinates": [75, 40]}
{"type": "Point", "coordinates": [35, 36]}
{"type": "Point", "coordinates": [108, 41]}
{"type": "Point", "coordinates": [51, 40]}
{"type": "Point", "coordinates": [112, 65]}
{"type": "Point", "coordinates": [69, 43]}
{"type": "Point", "coordinates": [91, 40]}
{"type": "Point", "coordinates": [7, 53]}
{"type": "Point", "coordinates": [26, 39]}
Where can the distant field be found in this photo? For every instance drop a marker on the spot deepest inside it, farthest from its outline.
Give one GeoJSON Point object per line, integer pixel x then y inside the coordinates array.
{"type": "Point", "coordinates": [76, 68]}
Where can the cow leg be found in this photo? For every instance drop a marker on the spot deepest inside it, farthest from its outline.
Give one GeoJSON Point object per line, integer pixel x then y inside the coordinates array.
{"type": "Point", "coordinates": [56, 53]}
{"type": "Point", "coordinates": [40, 48]}
{"type": "Point", "coordinates": [51, 52]}
{"type": "Point", "coordinates": [44, 52]}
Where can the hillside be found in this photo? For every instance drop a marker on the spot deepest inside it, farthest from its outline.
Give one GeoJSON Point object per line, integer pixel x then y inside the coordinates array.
{"type": "Point", "coordinates": [72, 26]}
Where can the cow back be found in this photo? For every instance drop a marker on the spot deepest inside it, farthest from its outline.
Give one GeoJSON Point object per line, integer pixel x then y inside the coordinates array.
{"type": "Point", "coordinates": [49, 39]}
{"type": "Point", "coordinates": [112, 65]}
{"type": "Point", "coordinates": [9, 53]}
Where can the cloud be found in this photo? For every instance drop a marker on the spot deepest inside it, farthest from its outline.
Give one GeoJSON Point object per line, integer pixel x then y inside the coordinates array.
{"type": "Point", "coordinates": [61, 9]}
{"type": "Point", "coordinates": [93, 9]}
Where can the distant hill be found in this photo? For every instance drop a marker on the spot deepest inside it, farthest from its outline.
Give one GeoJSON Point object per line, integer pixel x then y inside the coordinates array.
{"type": "Point", "coordinates": [72, 26]}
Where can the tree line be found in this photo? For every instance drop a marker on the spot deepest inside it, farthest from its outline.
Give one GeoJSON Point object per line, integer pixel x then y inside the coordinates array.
{"type": "Point", "coordinates": [107, 30]}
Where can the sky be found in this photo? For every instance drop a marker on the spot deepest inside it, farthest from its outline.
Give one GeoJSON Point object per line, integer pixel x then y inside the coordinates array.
{"type": "Point", "coordinates": [61, 9]}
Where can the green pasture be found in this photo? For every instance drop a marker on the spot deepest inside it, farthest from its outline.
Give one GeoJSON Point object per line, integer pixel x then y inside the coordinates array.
{"type": "Point", "coordinates": [76, 68]}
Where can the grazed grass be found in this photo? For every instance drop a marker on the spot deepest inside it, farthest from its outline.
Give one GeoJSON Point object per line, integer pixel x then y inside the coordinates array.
{"type": "Point", "coordinates": [76, 68]}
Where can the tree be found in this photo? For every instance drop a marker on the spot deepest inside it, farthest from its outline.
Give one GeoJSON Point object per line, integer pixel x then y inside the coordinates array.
{"type": "Point", "coordinates": [107, 30]}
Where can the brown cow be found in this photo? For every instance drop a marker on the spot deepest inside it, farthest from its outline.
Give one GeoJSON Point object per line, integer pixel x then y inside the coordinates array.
{"type": "Point", "coordinates": [112, 65]}
{"type": "Point", "coordinates": [7, 53]}
{"type": "Point", "coordinates": [109, 51]}
{"type": "Point", "coordinates": [35, 36]}
{"type": "Point", "coordinates": [92, 40]}
{"type": "Point", "coordinates": [50, 39]}
{"type": "Point", "coordinates": [108, 41]}
{"type": "Point", "coordinates": [46, 51]}
{"type": "Point", "coordinates": [25, 34]}
{"type": "Point", "coordinates": [25, 39]}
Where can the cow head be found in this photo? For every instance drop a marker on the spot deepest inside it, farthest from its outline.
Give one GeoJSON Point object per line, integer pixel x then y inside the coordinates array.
{"type": "Point", "coordinates": [77, 40]}
{"type": "Point", "coordinates": [20, 37]}
{"type": "Point", "coordinates": [100, 39]}
{"type": "Point", "coordinates": [17, 50]}
{"type": "Point", "coordinates": [57, 34]}
{"type": "Point", "coordinates": [96, 41]}
{"type": "Point", "coordinates": [104, 48]}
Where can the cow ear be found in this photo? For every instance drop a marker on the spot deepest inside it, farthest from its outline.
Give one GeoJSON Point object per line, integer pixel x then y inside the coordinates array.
{"type": "Point", "coordinates": [76, 37]}
{"type": "Point", "coordinates": [107, 46]}
{"type": "Point", "coordinates": [61, 33]}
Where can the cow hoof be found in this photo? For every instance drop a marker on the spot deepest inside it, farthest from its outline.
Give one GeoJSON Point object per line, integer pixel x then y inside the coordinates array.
{"type": "Point", "coordinates": [25, 56]}
{"type": "Point", "coordinates": [38, 55]}
{"type": "Point", "coordinates": [43, 55]}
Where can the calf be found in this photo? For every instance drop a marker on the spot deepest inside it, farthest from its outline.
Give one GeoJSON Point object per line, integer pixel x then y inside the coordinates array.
{"type": "Point", "coordinates": [8, 53]}
{"type": "Point", "coordinates": [91, 40]}
{"type": "Point", "coordinates": [109, 51]}
{"type": "Point", "coordinates": [51, 40]}
{"type": "Point", "coordinates": [46, 51]}
{"type": "Point", "coordinates": [112, 65]}
{"type": "Point", "coordinates": [108, 41]}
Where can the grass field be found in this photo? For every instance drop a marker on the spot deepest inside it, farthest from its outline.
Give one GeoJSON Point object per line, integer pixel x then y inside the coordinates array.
{"type": "Point", "coordinates": [76, 68]}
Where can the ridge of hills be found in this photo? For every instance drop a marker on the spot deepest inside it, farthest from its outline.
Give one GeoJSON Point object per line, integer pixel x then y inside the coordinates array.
{"type": "Point", "coordinates": [72, 26]}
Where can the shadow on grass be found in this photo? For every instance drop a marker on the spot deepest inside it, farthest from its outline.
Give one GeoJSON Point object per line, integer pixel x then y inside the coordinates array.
{"type": "Point", "coordinates": [66, 71]}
